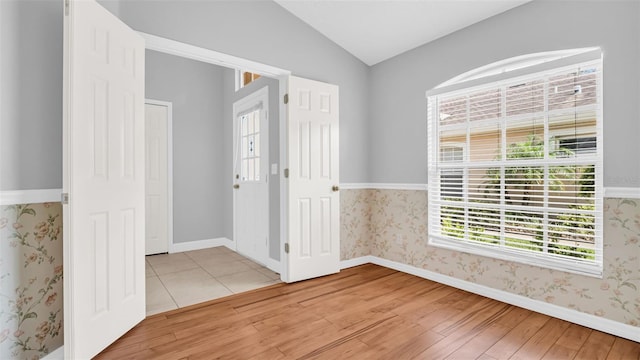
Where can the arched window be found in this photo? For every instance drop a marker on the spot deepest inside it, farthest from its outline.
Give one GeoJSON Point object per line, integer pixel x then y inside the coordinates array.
{"type": "Point", "coordinates": [515, 161]}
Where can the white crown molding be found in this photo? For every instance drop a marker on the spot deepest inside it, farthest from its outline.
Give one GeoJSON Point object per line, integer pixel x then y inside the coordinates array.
{"type": "Point", "coordinates": [382, 186]}
{"type": "Point", "coordinates": [560, 312]}
{"type": "Point", "coordinates": [622, 192]}
{"type": "Point", "coordinates": [200, 244]}
{"type": "Point", "coordinates": [38, 196]}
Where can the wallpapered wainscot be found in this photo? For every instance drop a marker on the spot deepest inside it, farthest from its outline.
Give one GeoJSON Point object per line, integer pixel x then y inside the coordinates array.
{"type": "Point", "coordinates": [30, 280]}
{"type": "Point", "coordinates": [397, 229]}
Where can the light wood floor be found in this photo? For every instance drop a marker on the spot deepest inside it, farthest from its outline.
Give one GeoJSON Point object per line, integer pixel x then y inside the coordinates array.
{"type": "Point", "coordinates": [366, 312]}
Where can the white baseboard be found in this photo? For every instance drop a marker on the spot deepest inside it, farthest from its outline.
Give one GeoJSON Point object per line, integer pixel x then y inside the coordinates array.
{"type": "Point", "coordinates": [200, 244]}
{"type": "Point", "coordinates": [345, 264]}
{"type": "Point", "coordinates": [57, 354]}
{"type": "Point", "coordinates": [274, 265]}
{"type": "Point", "coordinates": [591, 321]}
{"type": "Point", "coordinates": [38, 196]}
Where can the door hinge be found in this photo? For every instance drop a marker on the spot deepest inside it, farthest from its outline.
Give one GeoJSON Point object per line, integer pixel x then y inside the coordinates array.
{"type": "Point", "coordinates": [286, 173]}
{"type": "Point", "coordinates": [64, 199]}
{"type": "Point", "coordinates": [286, 248]}
{"type": "Point", "coordinates": [66, 7]}
{"type": "Point", "coordinates": [286, 99]}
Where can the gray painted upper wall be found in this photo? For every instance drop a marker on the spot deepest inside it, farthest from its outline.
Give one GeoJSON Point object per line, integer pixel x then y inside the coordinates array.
{"type": "Point", "coordinates": [263, 31]}
{"type": "Point", "coordinates": [31, 95]}
{"type": "Point", "coordinates": [398, 106]}
{"type": "Point", "coordinates": [31, 72]}
{"type": "Point", "coordinates": [196, 91]}
{"type": "Point", "coordinates": [383, 109]}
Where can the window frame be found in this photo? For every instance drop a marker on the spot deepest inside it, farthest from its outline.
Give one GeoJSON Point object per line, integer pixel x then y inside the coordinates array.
{"type": "Point", "coordinates": [450, 89]}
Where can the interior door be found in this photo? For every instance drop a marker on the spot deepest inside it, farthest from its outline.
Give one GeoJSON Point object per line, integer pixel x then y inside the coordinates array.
{"type": "Point", "coordinates": [251, 188]}
{"type": "Point", "coordinates": [314, 201]}
{"type": "Point", "coordinates": [156, 178]}
{"type": "Point", "coordinates": [103, 175]}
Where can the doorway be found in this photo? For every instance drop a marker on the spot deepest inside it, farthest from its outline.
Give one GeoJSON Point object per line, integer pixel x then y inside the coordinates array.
{"type": "Point", "coordinates": [202, 97]}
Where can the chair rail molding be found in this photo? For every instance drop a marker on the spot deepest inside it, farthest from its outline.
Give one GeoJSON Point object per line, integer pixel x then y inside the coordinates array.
{"type": "Point", "coordinates": [37, 196]}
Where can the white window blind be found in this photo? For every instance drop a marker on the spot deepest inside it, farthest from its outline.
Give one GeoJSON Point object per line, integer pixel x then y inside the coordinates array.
{"type": "Point", "coordinates": [515, 168]}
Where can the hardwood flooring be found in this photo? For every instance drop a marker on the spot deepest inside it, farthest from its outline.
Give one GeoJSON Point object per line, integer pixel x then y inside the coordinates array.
{"type": "Point", "coordinates": [366, 312]}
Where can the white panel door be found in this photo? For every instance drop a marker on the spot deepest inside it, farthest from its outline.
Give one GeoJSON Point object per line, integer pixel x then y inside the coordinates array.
{"type": "Point", "coordinates": [157, 188]}
{"type": "Point", "coordinates": [314, 201]}
{"type": "Point", "coordinates": [104, 279]}
{"type": "Point", "coordinates": [250, 179]}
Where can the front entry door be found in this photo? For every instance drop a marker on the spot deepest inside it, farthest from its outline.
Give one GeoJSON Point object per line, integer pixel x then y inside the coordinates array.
{"type": "Point", "coordinates": [314, 201]}
{"type": "Point", "coordinates": [251, 176]}
{"type": "Point", "coordinates": [103, 175]}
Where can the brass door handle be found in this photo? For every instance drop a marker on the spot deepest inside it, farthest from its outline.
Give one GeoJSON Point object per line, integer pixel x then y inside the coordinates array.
{"type": "Point", "coordinates": [335, 188]}
{"type": "Point", "coordinates": [236, 186]}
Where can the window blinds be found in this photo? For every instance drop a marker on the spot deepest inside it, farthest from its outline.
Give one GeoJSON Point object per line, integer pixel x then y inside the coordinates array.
{"type": "Point", "coordinates": [515, 168]}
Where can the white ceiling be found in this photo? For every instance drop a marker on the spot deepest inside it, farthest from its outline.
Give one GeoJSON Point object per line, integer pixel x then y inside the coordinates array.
{"type": "Point", "coordinates": [376, 30]}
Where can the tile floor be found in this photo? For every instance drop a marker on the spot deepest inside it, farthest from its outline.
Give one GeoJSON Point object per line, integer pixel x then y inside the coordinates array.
{"type": "Point", "coordinates": [183, 279]}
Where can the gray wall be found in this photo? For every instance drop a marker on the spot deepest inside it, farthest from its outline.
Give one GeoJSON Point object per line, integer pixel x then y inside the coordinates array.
{"type": "Point", "coordinates": [199, 165]}
{"type": "Point", "coordinates": [31, 95]}
{"type": "Point", "coordinates": [232, 96]}
{"type": "Point", "coordinates": [398, 106]}
{"type": "Point", "coordinates": [270, 35]}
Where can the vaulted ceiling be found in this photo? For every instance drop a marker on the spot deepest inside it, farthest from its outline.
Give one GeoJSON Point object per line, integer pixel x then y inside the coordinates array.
{"type": "Point", "coordinates": [376, 30]}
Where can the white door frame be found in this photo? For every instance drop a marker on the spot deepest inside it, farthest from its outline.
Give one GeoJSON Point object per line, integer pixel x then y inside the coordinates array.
{"type": "Point", "coordinates": [169, 106]}
{"type": "Point", "coordinates": [177, 48]}
{"type": "Point", "coordinates": [259, 96]}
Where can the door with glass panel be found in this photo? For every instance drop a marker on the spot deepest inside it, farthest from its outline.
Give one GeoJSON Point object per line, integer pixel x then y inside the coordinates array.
{"type": "Point", "coordinates": [250, 176]}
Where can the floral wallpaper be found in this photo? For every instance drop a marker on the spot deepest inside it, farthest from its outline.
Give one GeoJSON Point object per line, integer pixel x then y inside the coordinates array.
{"type": "Point", "coordinates": [398, 231]}
{"type": "Point", "coordinates": [30, 280]}
{"type": "Point", "coordinates": [355, 219]}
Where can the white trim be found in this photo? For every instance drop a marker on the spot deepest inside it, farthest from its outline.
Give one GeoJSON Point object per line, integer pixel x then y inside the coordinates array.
{"type": "Point", "coordinates": [168, 46]}
{"type": "Point", "coordinates": [456, 84]}
{"type": "Point", "coordinates": [382, 186]}
{"type": "Point", "coordinates": [609, 192]}
{"type": "Point", "coordinates": [38, 196]}
{"type": "Point", "coordinates": [591, 321]}
{"type": "Point", "coordinates": [200, 244]}
{"type": "Point", "coordinates": [169, 106]}
{"type": "Point", "coordinates": [345, 264]}
{"type": "Point", "coordinates": [57, 354]}
{"type": "Point", "coordinates": [283, 88]}
{"type": "Point", "coordinates": [273, 265]}
{"type": "Point", "coordinates": [514, 63]}
{"type": "Point", "coordinates": [622, 192]}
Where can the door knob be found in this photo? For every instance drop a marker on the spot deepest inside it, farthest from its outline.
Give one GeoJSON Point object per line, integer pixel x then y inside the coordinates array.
{"type": "Point", "coordinates": [236, 186]}
{"type": "Point", "coordinates": [335, 188]}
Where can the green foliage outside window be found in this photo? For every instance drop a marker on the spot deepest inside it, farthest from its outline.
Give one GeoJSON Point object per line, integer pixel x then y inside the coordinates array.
{"type": "Point", "coordinates": [524, 229]}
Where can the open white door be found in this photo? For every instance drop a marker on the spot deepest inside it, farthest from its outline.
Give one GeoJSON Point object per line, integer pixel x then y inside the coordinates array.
{"type": "Point", "coordinates": [104, 281]}
{"type": "Point", "coordinates": [314, 201]}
